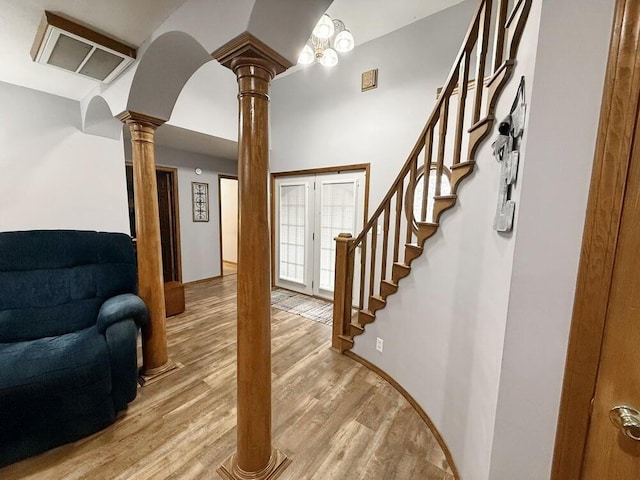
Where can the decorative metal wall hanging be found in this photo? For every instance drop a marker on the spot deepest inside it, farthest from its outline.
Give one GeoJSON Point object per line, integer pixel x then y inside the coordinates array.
{"type": "Point", "coordinates": [506, 150]}
{"type": "Point", "coordinates": [200, 200]}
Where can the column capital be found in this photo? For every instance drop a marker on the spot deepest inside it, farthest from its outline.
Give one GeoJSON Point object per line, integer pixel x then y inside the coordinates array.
{"type": "Point", "coordinates": [253, 51]}
{"type": "Point", "coordinates": [129, 117]}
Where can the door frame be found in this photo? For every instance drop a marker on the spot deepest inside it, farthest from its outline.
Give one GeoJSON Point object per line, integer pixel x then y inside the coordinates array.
{"type": "Point", "coordinates": [222, 176]}
{"type": "Point", "coordinates": [615, 139]}
{"type": "Point", "coordinates": [312, 171]}
{"type": "Point", "coordinates": [173, 171]}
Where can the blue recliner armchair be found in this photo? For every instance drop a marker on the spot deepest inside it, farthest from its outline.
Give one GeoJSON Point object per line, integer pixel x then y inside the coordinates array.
{"type": "Point", "coordinates": [69, 320]}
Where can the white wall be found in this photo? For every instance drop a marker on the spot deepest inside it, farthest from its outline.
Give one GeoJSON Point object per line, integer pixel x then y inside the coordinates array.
{"type": "Point", "coordinates": [229, 211]}
{"type": "Point", "coordinates": [321, 118]}
{"type": "Point", "coordinates": [53, 176]}
{"type": "Point", "coordinates": [565, 108]}
{"type": "Point", "coordinates": [199, 241]}
{"type": "Point", "coordinates": [208, 103]}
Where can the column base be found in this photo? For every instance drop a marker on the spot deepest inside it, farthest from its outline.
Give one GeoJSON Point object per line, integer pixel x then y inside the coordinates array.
{"type": "Point", "coordinates": [147, 377]}
{"type": "Point", "coordinates": [230, 470]}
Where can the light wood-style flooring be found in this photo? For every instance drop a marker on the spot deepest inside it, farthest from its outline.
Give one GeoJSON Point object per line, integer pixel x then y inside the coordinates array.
{"type": "Point", "coordinates": [335, 418]}
{"type": "Point", "coordinates": [229, 268]}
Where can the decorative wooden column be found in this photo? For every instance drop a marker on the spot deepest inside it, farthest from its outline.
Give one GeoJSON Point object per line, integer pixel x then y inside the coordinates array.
{"type": "Point", "coordinates": [255, 65]}
{"type": "Point", "coordinates": [155, 361]}
{"type": "Point", "coordinates": [343, 290]}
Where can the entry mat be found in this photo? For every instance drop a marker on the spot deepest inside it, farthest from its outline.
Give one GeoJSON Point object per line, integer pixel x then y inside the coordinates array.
{"type": "Point", "coordinates": [309, 307]}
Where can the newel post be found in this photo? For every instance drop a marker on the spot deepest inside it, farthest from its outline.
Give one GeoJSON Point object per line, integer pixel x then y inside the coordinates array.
{"type": "Point", "coordinates": [343, 291]}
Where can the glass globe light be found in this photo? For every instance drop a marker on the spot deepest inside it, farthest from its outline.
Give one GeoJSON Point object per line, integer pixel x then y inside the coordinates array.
{"type": "Point", "coordinates": [324, 28]}
{"type": "Point", "coordinates": [344, 42]}
{"type": "Point", "coordinates": [329, 58]}
{"type": "Point", "coordinates": [307, 56]}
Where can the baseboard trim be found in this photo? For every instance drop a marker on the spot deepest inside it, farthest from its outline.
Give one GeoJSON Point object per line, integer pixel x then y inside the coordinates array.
{"type": "Point", "coordinates": [412, 401]}
{"type": "Point", "coordinates": [202, 280]}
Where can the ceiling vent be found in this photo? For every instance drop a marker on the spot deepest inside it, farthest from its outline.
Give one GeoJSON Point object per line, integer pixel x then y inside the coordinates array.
{"type": "Point", "coordinates": [65, 44]}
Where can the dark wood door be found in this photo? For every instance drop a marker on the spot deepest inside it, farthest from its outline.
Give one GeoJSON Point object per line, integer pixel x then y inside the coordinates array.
{"type": "Point", "coordinates": [167, 206]}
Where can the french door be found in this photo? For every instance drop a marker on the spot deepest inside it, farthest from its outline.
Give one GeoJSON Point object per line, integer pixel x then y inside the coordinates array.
{"type": "Point", "coordinates": [310, 211]}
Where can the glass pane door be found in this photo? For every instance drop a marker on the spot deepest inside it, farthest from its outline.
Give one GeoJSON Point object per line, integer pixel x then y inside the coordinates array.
{"type": "Point", "coordinates": [337, 215]}
{"type": "Point", "coordinates": [310, 212]}
{"type": "Point", "coordinates": [294, 234]}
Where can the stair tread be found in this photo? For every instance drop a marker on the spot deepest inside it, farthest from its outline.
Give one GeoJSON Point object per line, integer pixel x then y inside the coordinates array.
{"type": "Point", "coordinates": [462, 164]}
{"type": "Point", "coordinates": [453, 196]}
{"type": "Point", "coordinates": [368, 312]}
{"type": "Point", "coordinates": [379, 298]}
{"type": "Point", "coordinates": [413, 245]}
{"type": "Point", "coordinates": [481, 122]}
{"type": "Point", "coordinates": [428, 224]}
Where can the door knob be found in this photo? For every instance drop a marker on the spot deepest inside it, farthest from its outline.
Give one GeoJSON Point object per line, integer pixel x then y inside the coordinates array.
{"type": "Point", "coordinates": [626, 419]}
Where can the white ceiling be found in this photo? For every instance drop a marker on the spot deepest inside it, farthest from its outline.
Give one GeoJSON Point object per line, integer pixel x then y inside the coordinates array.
{"type": "Point", "coordinates": [369, 19]}
{"type": "Point", "coordinates": [133, 21]}
{"type": "Point", "coordinates": [130, 21]}
{"type": "Point", "coordinates": [190, 141]}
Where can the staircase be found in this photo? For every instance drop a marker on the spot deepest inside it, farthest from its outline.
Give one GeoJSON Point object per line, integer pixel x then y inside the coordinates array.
{"type": "Point", "coordinates": [428, 182]}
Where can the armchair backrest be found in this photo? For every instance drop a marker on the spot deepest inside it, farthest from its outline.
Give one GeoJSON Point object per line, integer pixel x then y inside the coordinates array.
{"type": "Point", "coordinates": [53, 282]}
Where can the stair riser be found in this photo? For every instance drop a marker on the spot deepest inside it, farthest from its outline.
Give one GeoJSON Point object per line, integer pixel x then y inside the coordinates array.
{"type": "Point", "coordinates": [410, 254]}
{"type": "Point", "coordinates": [376, 304]}
{"type": "Point", "coordinates": [426, 233]}
{"type": "Point", "coordinates": [387, 289]}
{"type": "Point", "coordinates": [346, 343]}
{"type": "Point", "coordinates": [440, 206]}
{"type": "Point", "coordinates": [459, 174]}
{"type": "Point", "coordinates": [399, 272]}
{"type": "Point", "coordinates": [354, 331]}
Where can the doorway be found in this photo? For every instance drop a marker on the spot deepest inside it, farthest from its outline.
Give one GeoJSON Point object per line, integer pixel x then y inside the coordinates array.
{"type": "Point", "coordinates": [228, 201]}
{"type": "Point", "coordinates": [309, 210]}
{"type": "Point", "coordinates": [167, 181]}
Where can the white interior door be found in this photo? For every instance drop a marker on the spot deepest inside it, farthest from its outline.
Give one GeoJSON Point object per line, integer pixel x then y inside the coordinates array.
{"type": "Point", "coordinates": [340, 209]}
{"type": "Point", "coordinates": [310, 212]}
{"type": "Point", "coordinates": [294, 233]}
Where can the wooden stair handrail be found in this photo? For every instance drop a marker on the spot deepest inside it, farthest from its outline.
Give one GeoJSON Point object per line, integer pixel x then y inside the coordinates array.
{"type": "Point", "coordinates": [467, 44]}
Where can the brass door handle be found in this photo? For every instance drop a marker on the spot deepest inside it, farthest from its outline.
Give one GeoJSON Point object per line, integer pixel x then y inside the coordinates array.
{"type": "Point", "coordinates": [626, 419]}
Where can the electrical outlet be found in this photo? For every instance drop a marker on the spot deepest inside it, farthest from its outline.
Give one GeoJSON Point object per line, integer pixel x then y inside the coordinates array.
{"type": "Point", "coordinates": [379, 230]}
{"type": "Point", "coordinates": [379, 344]}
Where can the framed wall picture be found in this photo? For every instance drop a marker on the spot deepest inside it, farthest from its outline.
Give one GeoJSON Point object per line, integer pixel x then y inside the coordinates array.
{"type": "Point", "coordinates": [200, 201]}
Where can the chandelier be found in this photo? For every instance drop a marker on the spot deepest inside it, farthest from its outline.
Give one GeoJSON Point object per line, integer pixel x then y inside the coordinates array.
{"type": "Point", "coordinates": [329, 37]}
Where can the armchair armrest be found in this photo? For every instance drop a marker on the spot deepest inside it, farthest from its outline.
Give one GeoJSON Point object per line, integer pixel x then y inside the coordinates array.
{"type": "Point", "coordinates": [122, 307]}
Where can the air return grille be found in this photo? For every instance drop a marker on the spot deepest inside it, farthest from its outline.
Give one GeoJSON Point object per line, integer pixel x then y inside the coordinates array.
{"type": "Point", "coordinates": [65, 44]}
